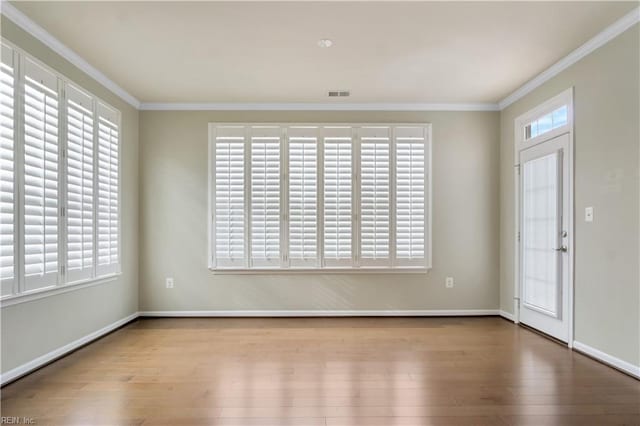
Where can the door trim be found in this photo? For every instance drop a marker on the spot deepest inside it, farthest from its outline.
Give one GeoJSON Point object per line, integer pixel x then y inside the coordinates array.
{"type": "Point", "coordinates": [520, 144]}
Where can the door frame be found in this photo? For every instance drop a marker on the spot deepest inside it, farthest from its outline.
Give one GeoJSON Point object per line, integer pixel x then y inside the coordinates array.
{"type": "Point", "coordinates": [520, 144]}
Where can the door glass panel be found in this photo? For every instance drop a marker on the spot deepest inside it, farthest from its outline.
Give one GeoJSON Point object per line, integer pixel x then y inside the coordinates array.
{"type": "Point", "coordinates": [541, 230]}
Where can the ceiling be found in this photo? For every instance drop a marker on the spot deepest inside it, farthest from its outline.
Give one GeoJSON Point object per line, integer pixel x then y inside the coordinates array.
{"type": "Point", "coordinates": [267, 52]}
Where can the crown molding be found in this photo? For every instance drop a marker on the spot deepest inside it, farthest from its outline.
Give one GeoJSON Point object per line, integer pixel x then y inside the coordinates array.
{"type": "Point", "coordinates": [24, 22]}
{"type": "Point", "coordinates": [605, 36]}
{"type": "Point", "coordinates": [317, 107]}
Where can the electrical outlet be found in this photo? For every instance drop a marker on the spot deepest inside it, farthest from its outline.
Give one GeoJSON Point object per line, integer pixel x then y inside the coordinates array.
{"type": "Point", "coordinates": [448, 282]}
{"type": "Point", "coordinates": [169, 282]}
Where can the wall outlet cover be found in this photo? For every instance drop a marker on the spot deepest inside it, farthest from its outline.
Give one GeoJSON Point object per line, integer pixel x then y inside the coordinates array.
{"type": "Point", "coordinates": [588, 214]}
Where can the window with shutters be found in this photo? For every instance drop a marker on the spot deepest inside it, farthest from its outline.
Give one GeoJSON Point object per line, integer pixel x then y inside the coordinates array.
{"type": "Point", "coordinates": [343, 197]}
{"type": "Point", "coordinates": [265, 196]}
{"type": "Point", "coordinates": [7, 172]}
{"type": "Point", "coordinates": [80, 172]}
{"type": "Point", "coordinates": [338, 196]}
{"type": "Point", "coordinates": [59, 158]}
{"type": "Point", "coordinates": [108, 190]}
{"type": "Point", "coordinates": [229, 195]}
{"type": "Point", "coordinates": [410, 195]}
{"type": "Point", "coordinates": [303, 196]}
{"type": "Point", "coordinates": [375, 196]}
{"type": "Point", "coordinates": [41, 194]}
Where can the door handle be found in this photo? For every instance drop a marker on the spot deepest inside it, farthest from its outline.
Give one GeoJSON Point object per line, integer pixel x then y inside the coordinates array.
{"type": "Point", "coordinates": [562, 249]}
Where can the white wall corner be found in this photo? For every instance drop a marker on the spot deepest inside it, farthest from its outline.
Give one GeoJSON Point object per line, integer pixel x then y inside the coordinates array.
{"type": "Point", "coordinates": [627, 367]}
{"type": "Point", "coordinates": [51, 356]}
{"type": "Point", "coordinates": [24, 22]}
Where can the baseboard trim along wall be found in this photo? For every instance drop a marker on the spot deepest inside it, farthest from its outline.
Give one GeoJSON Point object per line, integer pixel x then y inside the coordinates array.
{"type": "Point", "coordinates": [508, 316]}
{"type": "Point", "coordinates": [324, 313]}
{"type": "Point", "coordinates": [49, 357]}
{"type": "Point", "coordinates": [617, 363]}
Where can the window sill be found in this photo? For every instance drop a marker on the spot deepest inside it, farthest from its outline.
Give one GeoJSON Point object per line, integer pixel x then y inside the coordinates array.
{"type": "Point", "coordinates": [52, 291]}
{"type": "Point", "coordinates": [315, 271]}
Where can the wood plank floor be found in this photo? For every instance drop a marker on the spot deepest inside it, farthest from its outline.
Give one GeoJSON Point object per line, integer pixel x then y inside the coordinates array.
{"type": "Point", "coordinates": [325, 371]}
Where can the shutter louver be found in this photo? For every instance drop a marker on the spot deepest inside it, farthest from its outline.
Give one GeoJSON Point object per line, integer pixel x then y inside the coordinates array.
{"type": "Point", "coordinates": [265, 196]}
{"type": "Point", "coordinates": [80, 172]}
{"type": "Point", "coordinates": [108, 207]}
{"type": "Point", "coordinates": [410, 217]}
{"type": "Point", "coordinates": [7, 173]}
{"type": "Point", "coordinates": [338, 196]}
{"type": "Point", "coordinates": [374, 196]}
{"type": "Point", "coordinates": [229, 210]}
{"type": "Point", "coordinates": [41, 193]}
{"type": "Point", "coordinates": [303, 196]}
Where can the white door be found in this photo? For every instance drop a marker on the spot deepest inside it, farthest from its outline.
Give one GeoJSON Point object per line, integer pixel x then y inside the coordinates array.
{"type": "Point", "coordinates": [544, 239]}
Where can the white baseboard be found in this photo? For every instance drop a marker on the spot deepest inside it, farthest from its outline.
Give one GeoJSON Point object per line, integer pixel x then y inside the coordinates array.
{"type": "Point", "coordinates": [508, 315]}
{"type": "Point", "coordinates": [63, 350]}
{"type": "Point", "coordinates": [627, 367]}
{"type": "Point", "coordinates": [324, 313]}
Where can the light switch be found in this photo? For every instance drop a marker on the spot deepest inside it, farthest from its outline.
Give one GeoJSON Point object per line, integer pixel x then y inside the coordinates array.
{"type": "Point", "coordinates": [588, 214]}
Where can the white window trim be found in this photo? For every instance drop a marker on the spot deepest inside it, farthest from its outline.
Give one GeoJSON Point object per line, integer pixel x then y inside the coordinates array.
{"type": "Point", "coordinates": [564, 98]}
{"type": "Point", "coordinates": [19, 295]}
{"type": "Point", "coordinates": [321, 269]}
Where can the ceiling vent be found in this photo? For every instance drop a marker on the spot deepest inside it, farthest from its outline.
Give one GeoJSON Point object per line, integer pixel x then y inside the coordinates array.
{"type": "Point", "coordinates": [338, 93]}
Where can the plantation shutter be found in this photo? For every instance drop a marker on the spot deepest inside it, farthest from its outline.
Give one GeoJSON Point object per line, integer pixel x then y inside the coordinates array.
{"type": "Point", "coordinates": [41, 193]}
{"type": "Point", "coordinates": [80, 173]}
{"type": "Point", "coordinates": [410, 198]}
{"type": "Point", "coordinates": [108, 196]}
{"type": "Point", "coordinates": [303, 196]}
{"type": "Point", "coordinates": [374, 196]}
{"type": "Point", "coordinates": [7, 173]}
{"type": "Point", "coordinates": [338, 196]}
{"type": "Point", "coordinates": [265, 196]}
{"type": "Point", "coordinates": [229, 197]}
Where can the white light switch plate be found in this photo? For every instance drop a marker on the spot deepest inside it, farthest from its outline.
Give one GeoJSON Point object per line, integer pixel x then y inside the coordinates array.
{"type": "Point", "coordinates": [448, 282]}
{"type": "Point", "coordinates": [588, 214]}
{"type": "Point", "coordinates": [169, 282]}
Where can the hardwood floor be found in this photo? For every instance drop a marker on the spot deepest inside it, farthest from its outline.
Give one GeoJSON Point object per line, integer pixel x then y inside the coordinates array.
{"type": "Point", "coordinates": [325, 371]}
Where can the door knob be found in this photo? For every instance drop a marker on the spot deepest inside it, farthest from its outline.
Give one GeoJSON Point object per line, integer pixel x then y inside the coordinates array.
{"type": "Point", "coordinates": [562, 249]}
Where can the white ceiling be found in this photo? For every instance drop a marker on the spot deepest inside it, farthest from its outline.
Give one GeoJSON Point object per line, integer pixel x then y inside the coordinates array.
{"type": "Point", "coordinates": [266, 52]}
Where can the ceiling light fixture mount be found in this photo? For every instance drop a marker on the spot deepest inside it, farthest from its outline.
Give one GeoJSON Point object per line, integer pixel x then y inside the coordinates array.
{"type": "Point", "coordinates": [325, 43]}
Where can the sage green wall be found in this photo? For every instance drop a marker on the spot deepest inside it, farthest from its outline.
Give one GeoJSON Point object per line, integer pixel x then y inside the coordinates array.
{"type": "Point", "coordinates": [607, 281]}
{"type": "Point", "coordinates": [35, 328]}
{"type": "Point", "coordinates": [173, 219]}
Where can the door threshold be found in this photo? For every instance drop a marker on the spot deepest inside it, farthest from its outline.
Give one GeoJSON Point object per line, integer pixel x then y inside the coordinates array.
{"type": "Point", "coordinates": [545, 335]}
